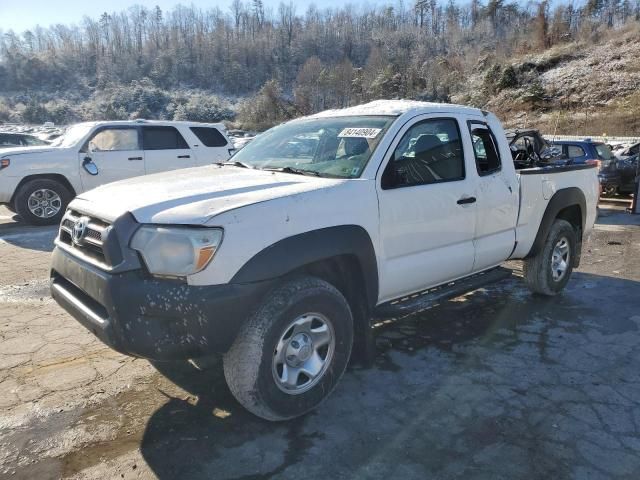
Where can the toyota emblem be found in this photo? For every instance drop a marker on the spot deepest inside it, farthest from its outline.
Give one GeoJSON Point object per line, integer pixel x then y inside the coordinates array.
{"type": "Point", "coordinates": [79, 229]}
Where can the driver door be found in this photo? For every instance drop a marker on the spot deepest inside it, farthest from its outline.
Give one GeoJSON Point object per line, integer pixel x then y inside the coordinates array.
{"type": "Point", "coordinates": [111, 153]}
{"type": "Point", "coordinates": [427, 207]}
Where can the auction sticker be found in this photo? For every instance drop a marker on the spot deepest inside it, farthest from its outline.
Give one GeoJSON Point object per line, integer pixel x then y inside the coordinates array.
{"type": "Point", "coordinates": [359, 133]}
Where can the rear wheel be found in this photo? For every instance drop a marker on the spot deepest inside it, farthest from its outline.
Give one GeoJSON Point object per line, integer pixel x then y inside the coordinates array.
{"type": "Point", "coordinates": [548, 272]}
{"type": "Point", "coordinates": [610, 191]}
{"type": "Point", "coordinates": [292, 352]}
{"type": "Point", "coordinates": [42, 201]}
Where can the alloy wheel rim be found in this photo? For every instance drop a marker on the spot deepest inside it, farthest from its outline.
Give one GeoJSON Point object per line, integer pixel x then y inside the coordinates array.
{"type": "Point", "coordinates": [560, 259]}
{"type": "Point", "coordinates": [303, 353]}
{"type": "Point", "coordinates": [44, 203]}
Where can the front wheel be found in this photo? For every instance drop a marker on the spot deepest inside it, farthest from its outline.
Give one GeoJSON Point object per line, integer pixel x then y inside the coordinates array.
{"type": "Point", "coordinates": [548, 272]}
{"type": "Point", "coordinates": [42, 201]}
{"type": "Point", "coordinates": [292, 352]}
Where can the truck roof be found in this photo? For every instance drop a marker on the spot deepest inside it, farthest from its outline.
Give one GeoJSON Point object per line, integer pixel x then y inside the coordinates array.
{"type": "Point", "coordinates": [397, 107]}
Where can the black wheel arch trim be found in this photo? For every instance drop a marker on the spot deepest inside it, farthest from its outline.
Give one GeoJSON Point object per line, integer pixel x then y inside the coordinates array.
{"type": "Point", "coordinates": [56, 177]}
{"type": "Point", "coordinates": [566, 197]}
{"type": "Point", "coordinates": [297, 251]}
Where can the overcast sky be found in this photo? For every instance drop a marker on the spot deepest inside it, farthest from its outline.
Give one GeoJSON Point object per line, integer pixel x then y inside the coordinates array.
{"type": "Point", "coordinates": [20, 15]}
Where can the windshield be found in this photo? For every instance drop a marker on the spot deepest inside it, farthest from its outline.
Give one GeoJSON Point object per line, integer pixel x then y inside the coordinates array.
{"type": "Point", "coordinates": [328, 147]}
{"type": "Point", "coordinates": [72, 136]}
{"type": "Point", "coordinates": [604, 152]}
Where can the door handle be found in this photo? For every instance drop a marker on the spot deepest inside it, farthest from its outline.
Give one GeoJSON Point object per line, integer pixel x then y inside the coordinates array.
{"type": "Point", "coordinates": [466, 200]}
{"type": "Point", "coordinates": [184, 156]}
{"type": "Point", "coordinates": [135, 158]}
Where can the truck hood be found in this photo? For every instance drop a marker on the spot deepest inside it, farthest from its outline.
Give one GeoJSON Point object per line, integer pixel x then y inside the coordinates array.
{"type": "Point", "coordinates": [14, 152]}
{"type": "Point", "coordinates": [192, 196]}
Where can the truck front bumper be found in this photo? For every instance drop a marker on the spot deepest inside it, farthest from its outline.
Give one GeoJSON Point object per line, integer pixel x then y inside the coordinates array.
{"type": "Point", "coordinates": [8, 187]}
{"type": "Point", "coordinates": [152, 318]}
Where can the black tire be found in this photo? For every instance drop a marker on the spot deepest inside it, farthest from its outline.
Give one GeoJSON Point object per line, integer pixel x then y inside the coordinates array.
{"type": "Point", "coordinates": [610, 191]}
{"type": "Point", "coordinates": [249, 364]}
{"type": "Point", "coordinates": [25, 191]}
{"type": "Point", "coordinates": [538, 271]}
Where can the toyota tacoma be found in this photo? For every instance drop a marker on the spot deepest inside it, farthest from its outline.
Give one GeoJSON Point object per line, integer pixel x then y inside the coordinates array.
{"type": "Point", "coordinates": [281, 258]}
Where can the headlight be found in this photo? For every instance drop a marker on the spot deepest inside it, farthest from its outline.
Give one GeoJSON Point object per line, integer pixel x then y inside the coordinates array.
{"type": "Point", "coordinates": [176, 251]}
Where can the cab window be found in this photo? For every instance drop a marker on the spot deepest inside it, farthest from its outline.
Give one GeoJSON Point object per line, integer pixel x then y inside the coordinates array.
{"type": "Point", "coordinates": [429, 152]}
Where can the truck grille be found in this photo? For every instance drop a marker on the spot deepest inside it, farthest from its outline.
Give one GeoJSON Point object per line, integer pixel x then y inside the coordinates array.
{"type": "Point", "coordinates": [84, 235]}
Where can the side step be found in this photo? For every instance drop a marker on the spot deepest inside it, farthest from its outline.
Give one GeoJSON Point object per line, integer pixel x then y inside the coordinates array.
{"type": "Point", "coordinates": [428, 298]}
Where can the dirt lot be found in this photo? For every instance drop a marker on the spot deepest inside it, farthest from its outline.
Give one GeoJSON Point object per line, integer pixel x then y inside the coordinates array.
{"type": "Point", "coordinates": [495, 384]}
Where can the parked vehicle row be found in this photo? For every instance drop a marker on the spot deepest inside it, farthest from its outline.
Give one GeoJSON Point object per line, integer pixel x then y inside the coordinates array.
{"type": "Point", "coordinates": [39, 181]}
{"type": "Point", "coordinates": [616, 173]}
{"type": "Point", "coordinates": [619, 176]}
{"type": "Point", "coordinates": [628, 152]}
{"type": "Point", "coordinates": [281, 259]}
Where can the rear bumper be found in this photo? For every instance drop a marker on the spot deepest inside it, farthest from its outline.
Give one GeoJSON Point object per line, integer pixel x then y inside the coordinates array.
{"type": "Point", "coordinates": [151, 318]}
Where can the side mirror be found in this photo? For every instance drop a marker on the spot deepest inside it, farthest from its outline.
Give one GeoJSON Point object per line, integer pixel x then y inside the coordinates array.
{"type": "Point", "coordinates": [89, 166]}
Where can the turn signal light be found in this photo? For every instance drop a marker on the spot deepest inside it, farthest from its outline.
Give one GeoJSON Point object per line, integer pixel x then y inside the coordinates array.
{"type": "Point", "coordinates": [4, 163]}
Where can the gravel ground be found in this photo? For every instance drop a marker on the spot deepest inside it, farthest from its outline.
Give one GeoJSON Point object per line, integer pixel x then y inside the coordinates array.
{"type": "Point", "coordinates": [494, 384]}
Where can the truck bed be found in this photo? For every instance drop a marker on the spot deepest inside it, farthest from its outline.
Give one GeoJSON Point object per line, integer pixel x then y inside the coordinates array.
{"type": "Point", "coordinates": [537, 187]}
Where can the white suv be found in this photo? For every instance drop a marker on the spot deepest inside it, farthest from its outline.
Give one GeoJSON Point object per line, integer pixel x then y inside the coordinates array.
{"type": "Point", "coordinates": [39, 182]}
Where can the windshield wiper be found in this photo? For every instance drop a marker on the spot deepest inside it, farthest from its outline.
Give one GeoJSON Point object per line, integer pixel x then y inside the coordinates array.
{"type": "Point", "coordinates": [237, 164]}
{"type": "Point", "coordinates": [296, 171]}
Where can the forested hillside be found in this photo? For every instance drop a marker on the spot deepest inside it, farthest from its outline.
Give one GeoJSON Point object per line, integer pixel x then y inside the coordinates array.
{"type": "Point", "coordinates": [189, 63]}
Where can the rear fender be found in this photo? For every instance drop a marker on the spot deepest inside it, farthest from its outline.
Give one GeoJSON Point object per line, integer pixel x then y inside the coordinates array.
{"type": "Point", "coordinates": [566, 197]}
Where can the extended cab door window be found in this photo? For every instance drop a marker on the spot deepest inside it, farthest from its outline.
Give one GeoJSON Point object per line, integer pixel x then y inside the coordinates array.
{"type": "Point", "coordinates": [430, 152]}
{"type": "Point", "coordinates": [485, 149]}
{"type": "Point", "coordinates": [165, 149]}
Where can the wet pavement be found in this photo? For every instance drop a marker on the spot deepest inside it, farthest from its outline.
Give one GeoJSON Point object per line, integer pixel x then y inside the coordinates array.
{"type": "Point", "coordinates": [495, 384]}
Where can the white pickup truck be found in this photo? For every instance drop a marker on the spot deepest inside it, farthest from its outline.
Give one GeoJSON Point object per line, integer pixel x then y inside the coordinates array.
{"type": "Point", "coordinates": [280, 259]}
{"type": "Point", "coordinates": [39, 182]}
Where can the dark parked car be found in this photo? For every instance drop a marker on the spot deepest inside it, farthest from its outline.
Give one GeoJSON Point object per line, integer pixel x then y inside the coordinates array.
{"type": "Point", "coordinates": [585, 151]}
{"type": "Point", "coordinates": [630, 151]}
{"type": "Point", "coordinates": [619, 176]}
{"type": "Point", "coordinates": [19, 140]}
